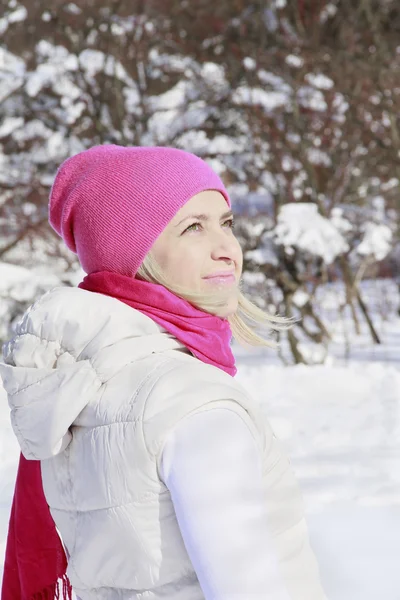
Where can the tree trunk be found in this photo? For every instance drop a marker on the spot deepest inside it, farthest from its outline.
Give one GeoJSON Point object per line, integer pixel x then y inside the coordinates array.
{"type": "Point", "coordinates": [292, 339]}
{"type": "Point", "coordinates": [348, 281]}
{"type": "Point", "coordinates": [374, 334]}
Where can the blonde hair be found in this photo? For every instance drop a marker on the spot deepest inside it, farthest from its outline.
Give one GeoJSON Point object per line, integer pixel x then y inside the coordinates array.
{"type": "Point", "coordinates": [245, 321]}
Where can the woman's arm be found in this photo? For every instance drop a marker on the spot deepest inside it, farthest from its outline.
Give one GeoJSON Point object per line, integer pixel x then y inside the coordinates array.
{"type": "Point", "coordinates": [212, 467]}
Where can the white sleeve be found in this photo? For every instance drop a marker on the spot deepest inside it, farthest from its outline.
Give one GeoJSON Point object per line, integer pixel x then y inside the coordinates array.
{"type": "Point", "coordinates": [212, 467]}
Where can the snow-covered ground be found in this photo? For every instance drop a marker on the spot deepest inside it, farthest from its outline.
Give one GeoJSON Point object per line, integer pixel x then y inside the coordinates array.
{"type": "Point", "coordinates": [341, 426]}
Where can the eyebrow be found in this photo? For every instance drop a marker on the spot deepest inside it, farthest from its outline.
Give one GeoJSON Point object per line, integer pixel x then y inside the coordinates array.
{"type": "Point", "coordinates": [203, 217]}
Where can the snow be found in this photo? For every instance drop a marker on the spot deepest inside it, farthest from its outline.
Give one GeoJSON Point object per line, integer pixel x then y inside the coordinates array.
{"type": "Point", "coordinates": [31, 130]}
{"type": "Point", "coordinates": [289, 163]}
{"type": "Point", "coordinates": [73, 9]}
{"type": "Point", "coordinates": [274, 81]}
{"type": "Point", "coordinates": [174, 62]}
{"type": "Point", "coordinates": [174, 121]}
{"type": "Point", "coordinates": [311, 98]}
{"type": "Point", "coordinates": [7, 175]}
{"type": "Point", "coordinates": [12, 275]}
{"type": "Point", "coordinates": [199, 143]}
{"type": "Point", "coordinates": [340, 424]}
{"type": "Point", "coordinates": [376, 242]}
{"type": "Point", "coordinates": [341, 106]}
{"type": "Point", "coordinates": [173, 98]}
{"type": "Point", "coordinates": [300, 225]}
{"type": "Point", "coordinates": [94, 61]}
{"type": "Point", "coordinates": [319, 81]}
{"type": "Point", "coordinates": [214, 74]}
{"type": "Point", "coordinates": [9, 125]}
{"type": "Point", "coordinates": [270, 100]}
{"type": "Point", "coordinates": [262, 256]}
{"type": "Point", "coordinates": [12, 72]}
{"type": "Point", "coordinates": [53, 71]}
{"type": "Point", "coordinates": [21, 284]}
{"type": "Point", "coordinates": [318, 157]}
{"type": "Point", "coordinates": [19, 14]}
{"type": "Point", "coordinates": [339, 221]}
{"type": "Point", "coordinates": [249, 63]}
{"type": "Point", "coordinates": [294, 61]}
{"type": "Point", "coordinates": [328, 11]}
{"type": "Point", "coordinates": [300, 297]}
{"type": "Point", "coordinates": [390, 184]}
{"type": "Point", "coordinates": [269, 182]}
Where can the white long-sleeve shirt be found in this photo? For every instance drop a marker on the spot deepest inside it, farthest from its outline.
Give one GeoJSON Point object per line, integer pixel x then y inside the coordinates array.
{"type": "Point", "coordinates": [212, 468]}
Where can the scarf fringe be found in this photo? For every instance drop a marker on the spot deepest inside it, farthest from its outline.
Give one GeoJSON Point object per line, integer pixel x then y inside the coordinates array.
{"type": "Point", "coordinates": [52, 592]}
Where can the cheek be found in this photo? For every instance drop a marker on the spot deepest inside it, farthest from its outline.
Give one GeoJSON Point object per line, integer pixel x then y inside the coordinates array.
{"type": "Point", "coordinates": [183, 265]}
{"type": "Point", "coordinates": [238, 254]}
{"type": "Point", "coordinates": [189, 263]}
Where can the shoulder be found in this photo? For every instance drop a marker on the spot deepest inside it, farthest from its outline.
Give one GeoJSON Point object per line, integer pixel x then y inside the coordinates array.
{"type": "Point", "coordinates": [67, 297]}
{"type": "Point", "coordinates": [201, 440]}
{"type": "Point", "coordinates": [79, 322]}
{"type": "Point", "coordinates": [186, 379]}
{"type": "Point", "coordinates": [46, 318]}
{"type": "Point", "coordinates": [188, 387]}
{"type": "Point", "coordinates": [64, 304]}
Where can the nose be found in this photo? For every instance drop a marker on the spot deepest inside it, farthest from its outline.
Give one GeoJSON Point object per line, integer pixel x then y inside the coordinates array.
{"type": "Point", "coordinates": [223, 247]}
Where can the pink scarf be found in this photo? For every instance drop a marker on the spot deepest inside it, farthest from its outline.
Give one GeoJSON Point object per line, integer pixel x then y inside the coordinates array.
{"type": "Point", "coordinates": [35, 563]}
{"type": "Point", "coordinates": [206, 336]}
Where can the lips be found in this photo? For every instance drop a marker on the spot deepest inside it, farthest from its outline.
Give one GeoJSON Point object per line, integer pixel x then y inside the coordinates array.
{"type": "Point", "coordinates": [221, 275]}
{"type": "Point", "coordinates": [224, 278]}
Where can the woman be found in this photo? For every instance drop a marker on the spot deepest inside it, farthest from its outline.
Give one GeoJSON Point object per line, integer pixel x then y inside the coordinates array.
{"type": "Point", "coordinates": [163, 477]}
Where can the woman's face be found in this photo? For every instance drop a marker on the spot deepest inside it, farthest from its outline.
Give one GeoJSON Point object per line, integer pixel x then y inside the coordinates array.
{"type": "Point", "coordinates": [199, 244]}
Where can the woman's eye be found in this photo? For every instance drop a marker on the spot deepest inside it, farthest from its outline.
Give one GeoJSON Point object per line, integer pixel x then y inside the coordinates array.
{"type": "Point", "coordinates": [229, 222]}
{"type": "Point", "coordinates": [190, 228]}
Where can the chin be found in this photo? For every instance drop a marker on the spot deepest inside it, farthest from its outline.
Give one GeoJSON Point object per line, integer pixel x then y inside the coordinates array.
{"type": "Point", "coordinates": [229, 309]}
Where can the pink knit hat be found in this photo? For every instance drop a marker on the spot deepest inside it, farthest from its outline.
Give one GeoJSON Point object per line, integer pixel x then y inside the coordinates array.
{"type": "Point", "coordinates": [110, 203]}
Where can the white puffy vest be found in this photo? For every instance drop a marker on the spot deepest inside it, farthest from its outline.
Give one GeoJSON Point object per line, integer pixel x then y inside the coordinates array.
{"type": "Point", "coordinates": [94, 387]}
